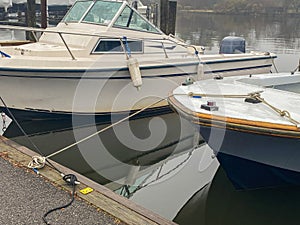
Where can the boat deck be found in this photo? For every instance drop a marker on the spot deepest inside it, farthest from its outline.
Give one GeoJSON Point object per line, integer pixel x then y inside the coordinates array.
{"type": "Point", "coordinates": [27, 196]}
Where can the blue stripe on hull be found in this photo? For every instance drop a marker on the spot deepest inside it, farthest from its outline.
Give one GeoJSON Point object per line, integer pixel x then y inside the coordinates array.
{"type": "Point", "coordinates": [128, 77]}
{"type": "Point", "coordinates": [97, 70]}
{"type": "Point", "coordinates": [98, 78]}
{"type": "Point", "coordinates": [238, 69]}
{"type": "Point", "coordinates": [240, 60]}
{"type": "Point", "coordinates": [247, 174]}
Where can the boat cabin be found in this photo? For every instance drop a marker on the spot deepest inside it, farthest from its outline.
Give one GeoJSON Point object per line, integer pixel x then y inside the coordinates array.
{"type": "Point", "coordinates": [93, 27]}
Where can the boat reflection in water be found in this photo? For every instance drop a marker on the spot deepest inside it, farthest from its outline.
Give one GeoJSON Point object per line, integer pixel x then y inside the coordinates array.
{"type": "Point", "coordinates": [219, 203]}
{"type": "Point", "coordinates": [109, 155]}
{"type": "Point", "coordinates": [166, 188]}
{"type": "Point", "coordinates": [154, 158]}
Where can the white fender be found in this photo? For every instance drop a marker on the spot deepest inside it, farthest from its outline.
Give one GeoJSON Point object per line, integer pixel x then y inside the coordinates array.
{"type": "Point", "coordinates": [135, 73]}
{"type": "Point", "coordinates": [200, 72]}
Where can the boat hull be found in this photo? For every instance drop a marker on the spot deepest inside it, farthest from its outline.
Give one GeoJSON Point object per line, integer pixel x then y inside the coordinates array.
{"type": "Point", "coordinates": [236, 66]}
{"type": "Point", "coordinates": [41, 93]}
{"type": "Point", "coordinates": [48, 93]}
{"type": "Point", "coordinates": [81, 119]}
{"type": "Point", "coordinates": [253, 160]}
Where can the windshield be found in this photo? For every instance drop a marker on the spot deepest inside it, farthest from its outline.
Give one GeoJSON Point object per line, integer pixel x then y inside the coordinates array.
{"type": "Point", "coordinates": [77, 11]}
{"type": "Point", "coordinates": [132, 20]}
{"type": "Point", "coordinates": [102, 12]}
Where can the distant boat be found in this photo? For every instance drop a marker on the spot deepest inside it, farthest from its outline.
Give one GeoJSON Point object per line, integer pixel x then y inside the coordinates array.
{"type": "Point", "coordinates": [86, 65]}
{"type": "Point", "coordinates": [251, 122]}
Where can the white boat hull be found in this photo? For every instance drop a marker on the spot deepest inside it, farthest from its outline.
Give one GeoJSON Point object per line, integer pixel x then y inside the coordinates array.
{"type": "Point", "coordinates": [110, 90]}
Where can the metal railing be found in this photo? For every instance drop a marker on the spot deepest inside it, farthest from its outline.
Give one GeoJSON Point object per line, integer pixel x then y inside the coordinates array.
{"type": "Point", "coordinates": [61, 33]}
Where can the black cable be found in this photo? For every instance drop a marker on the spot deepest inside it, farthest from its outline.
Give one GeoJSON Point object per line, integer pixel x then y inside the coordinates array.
{"type": "Point", "coordinates": [70, 179]}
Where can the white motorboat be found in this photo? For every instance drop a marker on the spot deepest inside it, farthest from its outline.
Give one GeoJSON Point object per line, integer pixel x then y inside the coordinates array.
{"type": "Point", "coordinates": [251, 123]}
{"type": "Point", "coordinates": [86, 64]}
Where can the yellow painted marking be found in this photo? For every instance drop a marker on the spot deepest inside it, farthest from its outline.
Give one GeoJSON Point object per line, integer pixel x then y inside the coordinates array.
{"type": "Point", "coordinates": [86, 190]}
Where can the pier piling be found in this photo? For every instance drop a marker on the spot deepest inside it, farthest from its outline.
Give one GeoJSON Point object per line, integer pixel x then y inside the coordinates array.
{"type": "Point", "coordinates": [30, 18]}
{"type": "Point", "coordinates": [168, 11]}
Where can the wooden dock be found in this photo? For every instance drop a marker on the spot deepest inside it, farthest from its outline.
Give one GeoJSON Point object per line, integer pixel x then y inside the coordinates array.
{"type": "Point", "coordinates": [103, 199]}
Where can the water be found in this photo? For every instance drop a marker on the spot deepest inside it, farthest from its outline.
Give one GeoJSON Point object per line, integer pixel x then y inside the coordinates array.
{"type": "Point", "coordinates": [11, 35]}
{"type": "Point", "coordinates": [171, 177]}
{"type": "Point", "coordinates": [220, 204]}
{"type": "Point", "coordinates": [262, 33]}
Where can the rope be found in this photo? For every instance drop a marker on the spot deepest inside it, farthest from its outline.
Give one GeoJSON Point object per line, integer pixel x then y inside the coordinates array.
{"type": "Point", "coordinates": [253, 95]}
{"type": "Point", "coordinates": [297, 68]}
{"type": "Point", "coordinates": [282, 113]}
{"type": "Point", "coordinates": [274, 65]}
{"type": "Point", "coordinates": [181, 43]}
{"type": "Point", "coordinates": [39, 161]}
{"type": "Point", "coordinates": [250, 95]}
{"type": "Point", "coordinates": [19, 126]}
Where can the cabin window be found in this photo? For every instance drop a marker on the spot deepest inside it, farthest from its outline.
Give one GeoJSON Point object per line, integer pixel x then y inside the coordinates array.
{"type": "Point", "coordinates": [132, 20]}
{"type": "Point", "coordinates": [102, 12]}
{"type": "Point", "coordinates": [77, 11]}
{"type": "Point", "coordinates": [115, 46]}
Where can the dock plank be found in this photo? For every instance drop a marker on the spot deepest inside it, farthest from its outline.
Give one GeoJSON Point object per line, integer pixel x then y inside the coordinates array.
{"type": "Point", "coordinates": [102, 197]}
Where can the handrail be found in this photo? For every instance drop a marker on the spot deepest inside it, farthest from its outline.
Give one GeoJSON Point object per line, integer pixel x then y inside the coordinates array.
{"type": "Point", "coordinates": [69, 50]}
{"type": "Point", "coordinates": [60, 33]}
{"type": "Point", "coordinates": [76, 33]}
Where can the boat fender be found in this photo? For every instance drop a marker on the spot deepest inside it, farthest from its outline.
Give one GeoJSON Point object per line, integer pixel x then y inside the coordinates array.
{"type": "Point", "coordinates": [133, 66]}
{"type": "Point", "coordinates": [132, 175]}
{"type": "Point", "coordinates": [200, 72]}
{"type": "Point", "coordinates": [135, 73]}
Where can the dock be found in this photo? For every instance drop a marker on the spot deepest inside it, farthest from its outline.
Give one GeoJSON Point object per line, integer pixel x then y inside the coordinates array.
{"type": "Point", "coordinates": [26, 195]}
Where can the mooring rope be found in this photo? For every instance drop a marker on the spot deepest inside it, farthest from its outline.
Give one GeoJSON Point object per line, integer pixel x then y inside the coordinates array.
{"type": "Point", "coordinates": [275, 67]}
{"type": "Point", "coordinates": [282, 113]}
{"type": "Point", "coordinates": [249, 95]}
{"type": "Point", "coordinates": [38, 162]}
{"type": "Point", "coordinates": [253, 95]}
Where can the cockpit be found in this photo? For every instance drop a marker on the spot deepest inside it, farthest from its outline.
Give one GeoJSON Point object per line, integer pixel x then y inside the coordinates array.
{"type": "Point", "coordinates": [109, 13]}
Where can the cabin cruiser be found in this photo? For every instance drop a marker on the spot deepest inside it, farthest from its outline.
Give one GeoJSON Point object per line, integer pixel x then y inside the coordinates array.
{"type": "Point", "coordinates": [86, 65]}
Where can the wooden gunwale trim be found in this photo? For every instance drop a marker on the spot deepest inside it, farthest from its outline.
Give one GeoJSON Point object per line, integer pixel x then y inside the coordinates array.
{"type": "Point", "coordinates": [243, 125]}
{"type": "Point", "coordinates": [250, 129]}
